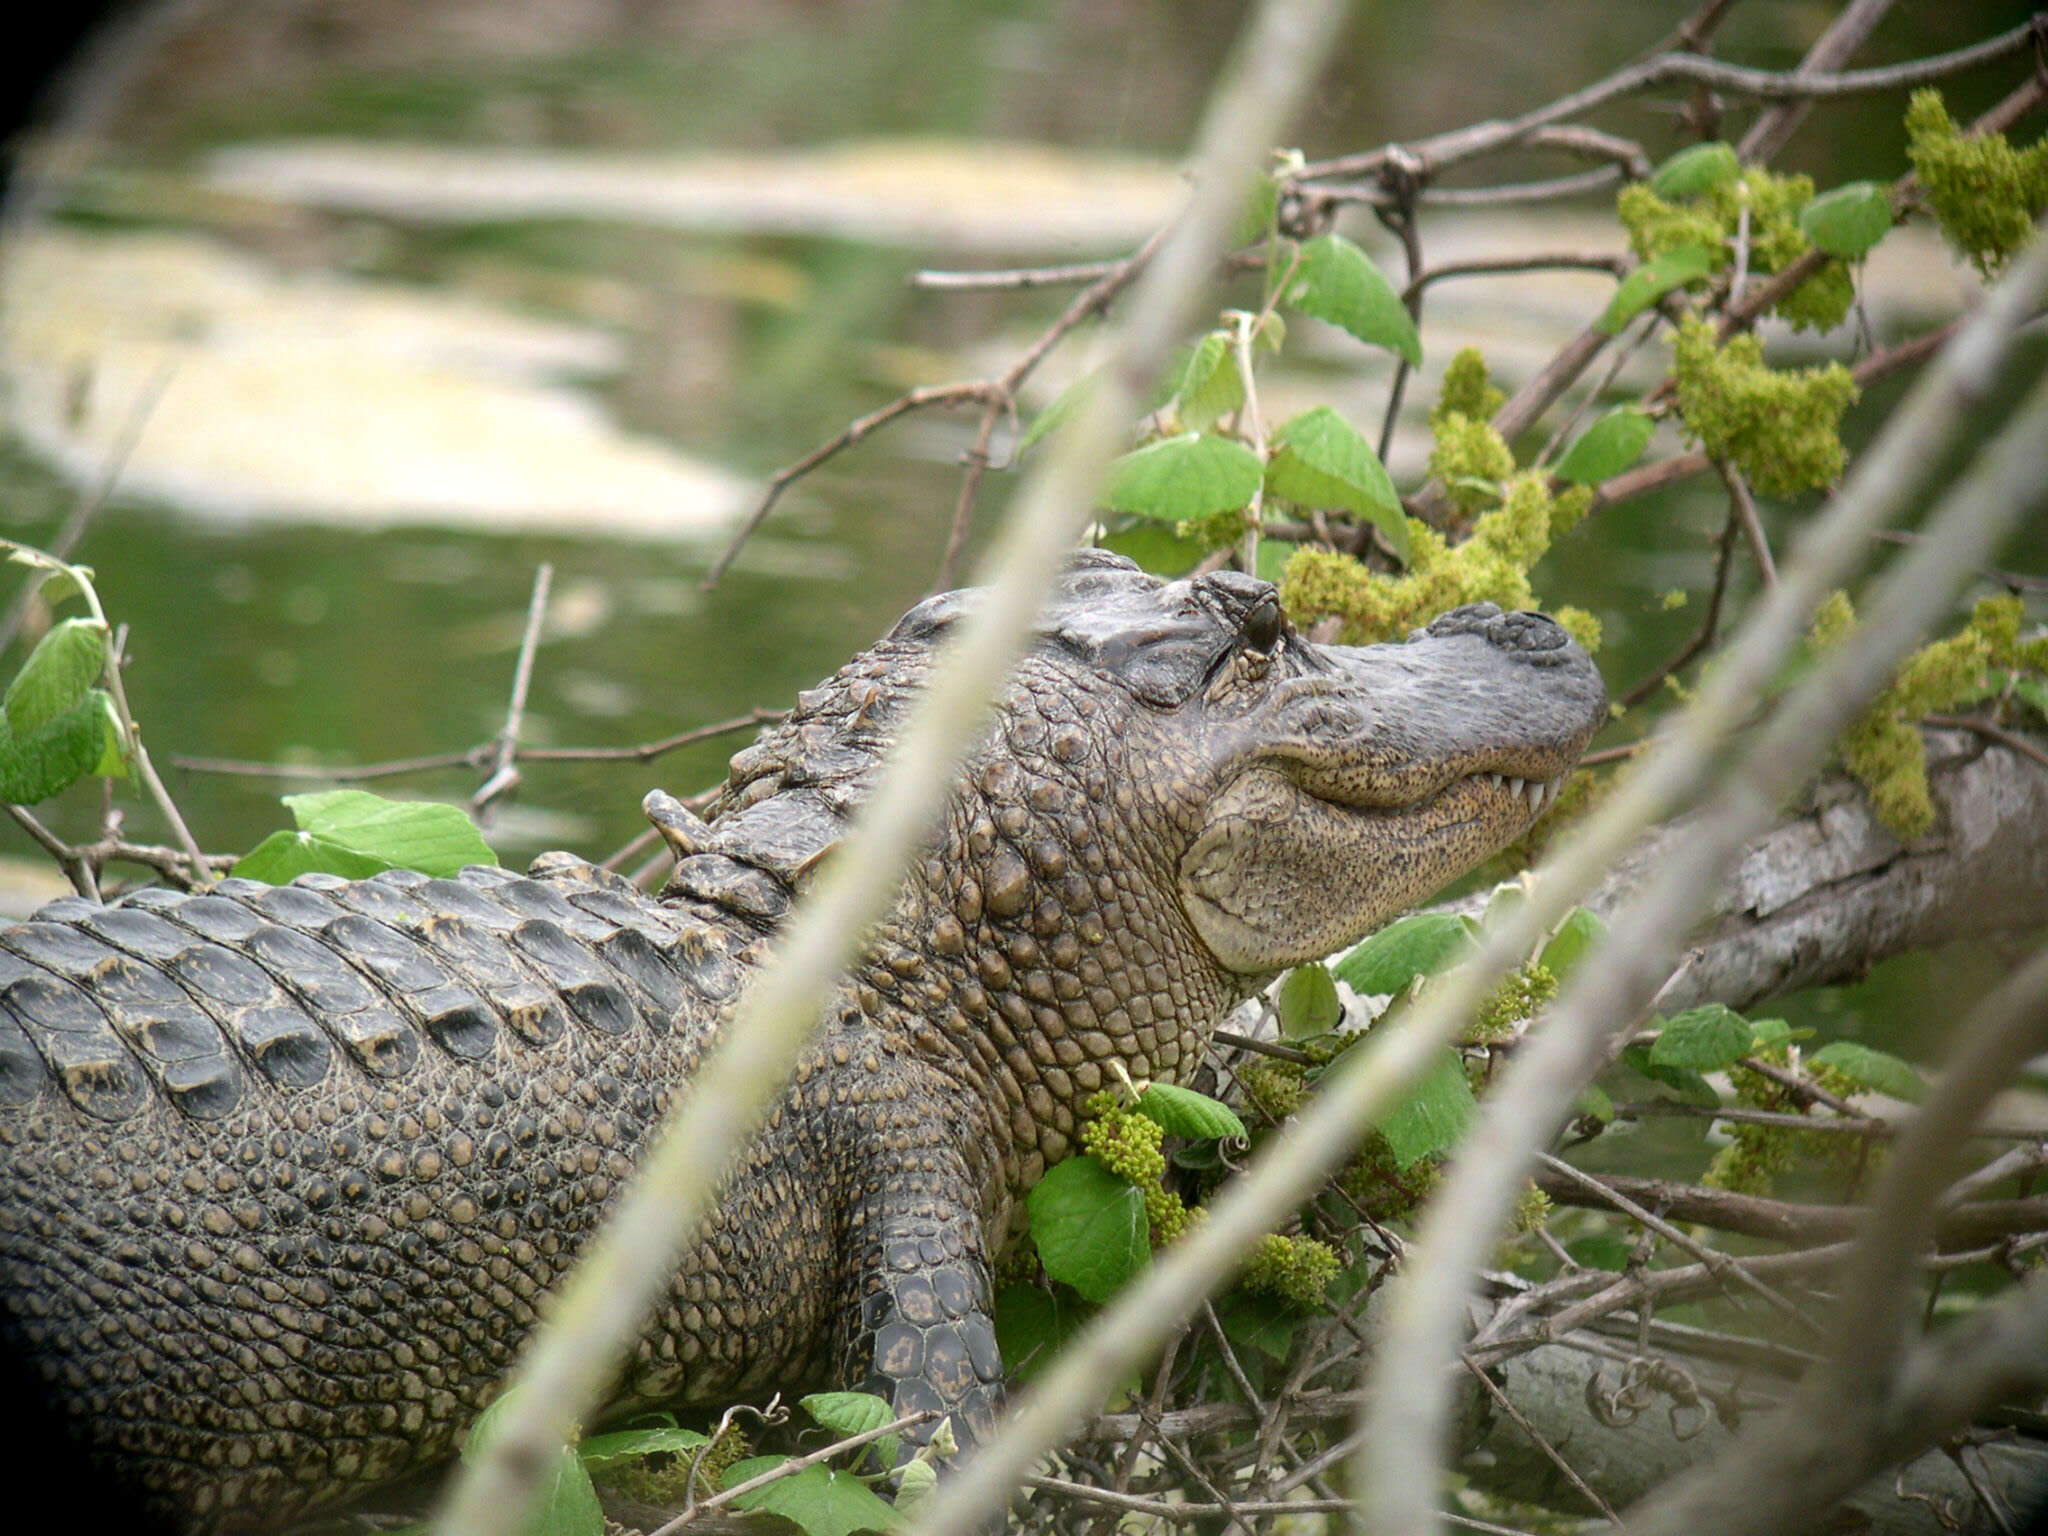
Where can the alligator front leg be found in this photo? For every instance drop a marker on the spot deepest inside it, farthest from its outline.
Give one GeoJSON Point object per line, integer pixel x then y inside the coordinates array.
{"type": "Point", "coordinates": [917, 1327]}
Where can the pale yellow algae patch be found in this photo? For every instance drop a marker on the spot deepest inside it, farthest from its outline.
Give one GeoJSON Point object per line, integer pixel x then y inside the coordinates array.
{"type": "Point", "coordinates": [315, 397]}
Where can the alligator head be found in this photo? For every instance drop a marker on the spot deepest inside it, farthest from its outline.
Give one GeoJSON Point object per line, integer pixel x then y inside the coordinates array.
{"type": "Point", "coordinates": [1180, 796]}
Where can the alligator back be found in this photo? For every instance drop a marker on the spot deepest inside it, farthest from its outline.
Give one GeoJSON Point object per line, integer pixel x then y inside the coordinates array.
{"type": "Point", "coordinates": [289, 1168]}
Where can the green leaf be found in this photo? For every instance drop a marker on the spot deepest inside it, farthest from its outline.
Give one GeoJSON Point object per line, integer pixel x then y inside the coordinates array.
{"type": "Point", "coordinates": [1321, 460]}
{"type": "Point", "coordinates": [567, 1504]}
{"type": "Point", "coordinates": [1502, 903]}
{"type": "Point", "coordinates": [1607, 447]}
{"type": "Point", "coordinates": [1575, 935]}
{"type": "Point", "coordinates": [1184, 1112]}
{"type": "Point", "coordinates": [284, 856]}
{"type": "Point", "coordinates": [59, 672]}
{"type": "Point", "coordinates": [916, 1481]}
{"type": "Point", "coordinates": [1178, 478]}
{"type": "Point", "coordinates": [1033, 1326]}
{"type": "Point", "coordinates": [55, 580]}
{"type": "Point", "coordinates": [1690, 1087]}
{"type": "Point", "coordinates": [1849, 220]}
{"type": "Point", "coordinates": [1693, 171]}
{"type": "Point", "coordinates": [1703, 1039]}
{"type": "Point", "coordinates": [1593, 1104]}
{"type": "Point", "coordinates": [848, 1413]}
{"type": "Point", "coordinates": [1156, 547]}
{"type": "Point", "coordinates": [1651, 281]}
{"type": "Point", "coordinates": [1273, 557]}
{"type": "Point", "coordinates": [55, 755]}
{"type": "Point", "coordinates": [1601, 1250]}
{"type": "Point", "coordinates": [600, 1451]}
{"type": "Point", "coordinates": [432, 838]}
{"type": "Point", "coordinates": [1877, 1070]}
{"type": "Point", "coordinates": [1308, 1003]}
{"type": "Point", "coordinates": [1063, 406]}
{"type": "Point", "coordinates": [1255, 219]}
{"type": "Point", "coordinates": [1419, 945]}
{"type": "Point", "coordinates": [1263, 1323]}
{"type": "Point", "coordinates": [822, 1500]}
{"type": "Point", "coordinates": [1770, 1032]}
{"type": "Point", "coordinates": [113, 763]}
{"type": "Point", "coordinates": [2034, 692]}
{"type": "Point", "coordinates": [1090, 1227]}
{"type": "Point", "coordinates": [1338, 282]}
{"type": "Point", "coordinates": [1211, 386]}
{"type": "Point", "coordinates": [1433, 1116]}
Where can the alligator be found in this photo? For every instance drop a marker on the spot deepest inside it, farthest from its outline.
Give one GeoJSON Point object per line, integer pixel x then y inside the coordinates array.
{"type": "Point", "coordinates": [290, 1170]}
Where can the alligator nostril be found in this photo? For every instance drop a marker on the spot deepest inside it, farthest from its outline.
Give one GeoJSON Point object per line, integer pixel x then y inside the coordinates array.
{"type": "Point", "coordinates": [1472, 618]}
{"type": "Point", "coordinates": [1528, 631]}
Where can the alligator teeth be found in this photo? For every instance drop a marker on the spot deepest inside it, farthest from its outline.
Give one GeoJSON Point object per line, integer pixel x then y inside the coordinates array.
{"type": "Point", "coordinates": [1537, 792]}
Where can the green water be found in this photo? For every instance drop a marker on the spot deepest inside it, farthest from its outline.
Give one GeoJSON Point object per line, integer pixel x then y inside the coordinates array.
{"type": "Point", "coordinates": [278, 642]}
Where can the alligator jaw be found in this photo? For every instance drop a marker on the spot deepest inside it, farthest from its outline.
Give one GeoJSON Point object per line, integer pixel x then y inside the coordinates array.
{"type": "Point", "coordinates": [1374, 776]}
{"type": "Point", "coordinates": [1281, 876]}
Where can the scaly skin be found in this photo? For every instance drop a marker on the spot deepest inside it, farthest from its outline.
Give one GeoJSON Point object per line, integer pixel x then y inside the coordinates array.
{"type": "Point", "coordinates": [290, 1169]}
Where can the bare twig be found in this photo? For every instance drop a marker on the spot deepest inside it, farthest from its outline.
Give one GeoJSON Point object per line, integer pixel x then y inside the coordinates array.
{"type": "Point", "coordinates": [504, 772]}
{"type": "Point", "coordinates": [789, 474]}
{"type": "Point", "coordinates": [132, 734]}
{"type": "Point", "coordinates": [475, 757]}
{"type": "Point", "coordinates": [1550, 1452]}
{"type": "Point", "coordinates": [1990, 730]}
{"type": "Point", "coordinates": [89, 502]}
{"type": "Point", "coordinates": [1837, 45]}
{"type": "Point", "coordinates": [794, 1465]}
{"type": "Point", "coordinates": [1013, 278]}
{"type": "Point", "coordinates": [1462, 144]}
{"type": "Point", "coordinates": [1743, 508]}
{"type": "Point", "coordinates": [1724, 1266]}
{"type": "Point", "coordinates": [1710, 623]}
{"type": "Point", "coordinates": [2017, 581]}
{"type": "Point", "coordinates": [1974, 1223]}
{"type": "Point", "coordinates": [1495, 266]}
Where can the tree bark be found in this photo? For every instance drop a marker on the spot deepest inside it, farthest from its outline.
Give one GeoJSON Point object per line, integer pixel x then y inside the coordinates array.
{"type": "Point", "coordinates": [1829, 892]}
{"type": "Point", "coordinates": [1623, 1463]}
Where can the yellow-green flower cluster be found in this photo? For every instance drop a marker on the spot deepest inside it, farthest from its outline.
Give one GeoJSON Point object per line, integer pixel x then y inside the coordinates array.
{"type": "Point", "coordinates": [659, 1477]}
{"type": "Point", "coordinates": [1532, 1209]}
{"type": "Point", "coordinates": [1296, 1269]}
{"type": "Point", "coordinates": [1520, 994]}
{"type": "Point", "coordinates": [1128, 1145]}
{"type": "Point", "coordinates": [1714, 220]}
{"type": "Point", "coordinates": [1985, 194]}
{"type": "Point", "coordinates": [1757, 1154]}
{"type": "Point", "coordinates": [1781, 427]}
{"type": "Point", "coordinates": [1382, 1188]}
{"type": "Point", "coordinates": [1274, 1088]}
{"type": "Point", "coordinates": [1882, 749]}
{"type": "Point", "coordinates": [1490, 566]}
{"type": "Point", "coordinates": [1466, 390]}
{"type": "Point", "coordinates": [1470, 459]}
{"type": "Point", "coordinates": [1217, 529]}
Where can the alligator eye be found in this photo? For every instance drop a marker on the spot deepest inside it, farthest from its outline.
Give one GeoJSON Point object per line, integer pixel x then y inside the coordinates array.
{"type": "Point", "coordinates": [1262, 626]}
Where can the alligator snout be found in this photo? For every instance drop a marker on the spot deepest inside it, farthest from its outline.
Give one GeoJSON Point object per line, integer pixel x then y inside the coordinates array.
{"type": "Point", "coordinates": [1523, 632]}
